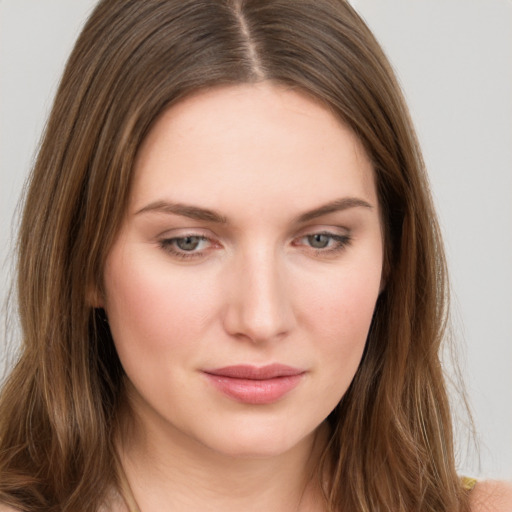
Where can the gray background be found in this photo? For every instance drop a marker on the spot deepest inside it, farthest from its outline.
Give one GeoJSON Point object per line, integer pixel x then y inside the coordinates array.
{"type": "Point", "coordinates": [454, 60]}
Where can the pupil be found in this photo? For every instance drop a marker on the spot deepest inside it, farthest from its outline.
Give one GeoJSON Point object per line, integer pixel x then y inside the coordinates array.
{"type": "Point", "coordinates": [188, 243]}
{"type": "Point", "coordinates": [318, 241]}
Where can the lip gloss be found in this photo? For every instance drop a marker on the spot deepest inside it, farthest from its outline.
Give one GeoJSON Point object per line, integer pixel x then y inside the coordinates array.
{"type": "Point", "coordinates": [255, 385]}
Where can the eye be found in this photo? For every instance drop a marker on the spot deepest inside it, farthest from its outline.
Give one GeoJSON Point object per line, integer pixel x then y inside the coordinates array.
{"type": "Point", "coordinates": [188, 243]}
{"type": "Point", "coordinates": [324, 242]}
{"type": "Point", "coordinates": [319, 240]}
{"type": "Point", "coordinates": [186, 246]}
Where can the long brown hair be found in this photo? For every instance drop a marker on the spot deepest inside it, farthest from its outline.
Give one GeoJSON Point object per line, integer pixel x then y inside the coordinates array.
{"type": "Point", "coordinates": [392, 446]}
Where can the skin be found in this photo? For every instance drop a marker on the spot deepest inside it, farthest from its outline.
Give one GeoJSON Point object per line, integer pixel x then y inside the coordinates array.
{"type": "Point", "coordinates": [258, 289]}
{"type": "Point", "coordinates": [258, 293]}
{"type": "Point", "coordinates": [255, 291]}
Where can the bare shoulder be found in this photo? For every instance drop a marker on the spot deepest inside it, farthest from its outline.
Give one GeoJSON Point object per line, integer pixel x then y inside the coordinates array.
{"type": "Point", "coordinates": [492, 496]}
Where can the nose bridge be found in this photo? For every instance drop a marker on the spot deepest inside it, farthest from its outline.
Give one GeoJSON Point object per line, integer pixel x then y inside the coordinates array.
{"type": "Point", "coordinates": [259, 306]}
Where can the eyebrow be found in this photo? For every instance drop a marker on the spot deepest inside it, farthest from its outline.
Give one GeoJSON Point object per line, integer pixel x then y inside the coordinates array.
{"type": "Point", "coordinates": [332, 207]}
{"type": "Point", "coordinates": [185, 210]}
{"type": "Point", "coordinates": [205, 214]}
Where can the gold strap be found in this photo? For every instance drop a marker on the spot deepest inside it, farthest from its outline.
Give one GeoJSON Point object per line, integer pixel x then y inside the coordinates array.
{"type": "Point", "coordinates": [468, 483]}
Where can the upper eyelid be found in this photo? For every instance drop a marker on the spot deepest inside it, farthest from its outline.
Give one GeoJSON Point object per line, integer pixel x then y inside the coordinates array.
{"type": "Point", "coordinates": [310, 227]}
{"type": "Point", "coordinates": [191, 235]}
{"type": "Point", "coordinates": [334, 236]}
{"type": "Point", "coordinates": [326, 230]}
{"type": "Point", "coordinates": [307, 232]}
{"type": "Point", "coordinates": [169, 234]}
{"type": "Point", "coordinates": [206, 234]}
{"type": "Point", "coordinates": [303, 226]}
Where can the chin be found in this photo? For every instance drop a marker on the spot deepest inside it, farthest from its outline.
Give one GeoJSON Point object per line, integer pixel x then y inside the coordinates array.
{"type": "Point", "coordinates": [248, 440]}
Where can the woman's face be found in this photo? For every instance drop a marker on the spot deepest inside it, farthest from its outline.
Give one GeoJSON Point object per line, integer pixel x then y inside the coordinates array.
{"type": "Point", "coordinates": [242, 284]}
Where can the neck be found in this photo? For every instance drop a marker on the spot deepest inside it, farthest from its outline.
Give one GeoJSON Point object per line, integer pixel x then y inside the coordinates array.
{"type": "Point", "coordinates": [168, 470]}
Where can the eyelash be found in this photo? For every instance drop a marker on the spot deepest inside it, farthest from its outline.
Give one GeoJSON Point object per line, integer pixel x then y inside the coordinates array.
{"type": "Point", "coordinates": [169, 245]}
{"type": "Point", "coordinates": [340, 243]}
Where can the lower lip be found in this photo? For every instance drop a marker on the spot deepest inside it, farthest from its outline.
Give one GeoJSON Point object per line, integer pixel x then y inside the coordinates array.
{"type": "Point", "coordinates": [256, 392]}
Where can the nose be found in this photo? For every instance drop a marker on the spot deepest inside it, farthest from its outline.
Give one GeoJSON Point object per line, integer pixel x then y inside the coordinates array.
{"type": "Point", "coordinates": [259, 304]}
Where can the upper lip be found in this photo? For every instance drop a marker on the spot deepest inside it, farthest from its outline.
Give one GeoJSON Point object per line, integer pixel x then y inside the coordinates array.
{"type": "Point", "coordinates": [245, 371]}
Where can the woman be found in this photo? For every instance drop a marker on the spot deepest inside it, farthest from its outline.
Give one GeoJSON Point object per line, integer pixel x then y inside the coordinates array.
{"type": "Point", "coordinates": [231, 282]}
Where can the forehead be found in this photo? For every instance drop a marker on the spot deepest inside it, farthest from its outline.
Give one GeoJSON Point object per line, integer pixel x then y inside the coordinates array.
{"type": "Point", "coordinates": [231, 145]}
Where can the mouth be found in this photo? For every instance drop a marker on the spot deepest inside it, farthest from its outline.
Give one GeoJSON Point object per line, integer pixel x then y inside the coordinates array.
{"type": "Point", "coordinates": [255, 385]}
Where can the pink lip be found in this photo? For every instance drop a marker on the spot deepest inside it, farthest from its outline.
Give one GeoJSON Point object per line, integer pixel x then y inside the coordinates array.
{"type": "Point", "coordinates": [255, 385]}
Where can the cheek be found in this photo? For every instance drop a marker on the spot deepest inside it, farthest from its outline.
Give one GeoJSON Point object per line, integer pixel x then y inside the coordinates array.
{"type": "Point", "coordinates": [152, 311]}
{"type": "Point", "coordinates": [339, 317]}
{"type": "Point", "coordinates": [344, 301]}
